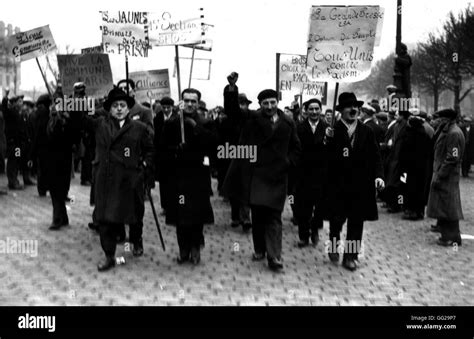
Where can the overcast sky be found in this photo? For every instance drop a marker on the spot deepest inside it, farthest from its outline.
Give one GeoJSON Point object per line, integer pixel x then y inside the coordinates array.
{"type": "Point", "coordinates": [248, 34]}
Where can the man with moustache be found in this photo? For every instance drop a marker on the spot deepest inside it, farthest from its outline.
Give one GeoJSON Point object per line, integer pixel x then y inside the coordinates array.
{"type": "Point", "coordinates": [189, 206]}
{"type": "Point", "coordinates": [355, 171]}
{"type": "Point", "coordinates": [123, 158]}
{"type": "Point", "coordinates": [263, 184]}
{"type": "Point", "coordinates": [310, 174]}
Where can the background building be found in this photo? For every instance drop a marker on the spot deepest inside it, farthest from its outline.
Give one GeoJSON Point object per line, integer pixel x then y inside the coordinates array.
{"type": "Point", "coordinates": [10, 71]}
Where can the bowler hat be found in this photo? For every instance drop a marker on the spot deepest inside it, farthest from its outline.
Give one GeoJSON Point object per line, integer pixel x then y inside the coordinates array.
{"type": "Point", "coordinates": [117, 94]}
{"type": "Point", "coordinates": [348, 99]}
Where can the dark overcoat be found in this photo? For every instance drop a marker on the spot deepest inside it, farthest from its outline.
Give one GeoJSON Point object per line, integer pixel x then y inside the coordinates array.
{"type": "Point", "coordinates": [352, 173]}
{"type": "Point", "coordinates": [188, 181]}
{"type": "Point", "coordinates": [444, 201]}
{"type": "Point", "coordinates": [264, 182]}
{"type": "Point", "coordinates": [118, 170]}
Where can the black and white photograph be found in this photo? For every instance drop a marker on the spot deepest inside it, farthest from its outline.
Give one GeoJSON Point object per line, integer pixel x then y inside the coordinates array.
{"type": "Point", "coordinates": [233, 159]}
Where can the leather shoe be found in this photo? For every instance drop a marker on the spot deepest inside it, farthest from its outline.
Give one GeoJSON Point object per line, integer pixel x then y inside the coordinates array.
{"type": "Point", "coordinates": [246, 227]}
{"type": "Point", "coordinates": [258, 256]}
{"type": "Point", "coordinates": [314, 239]}
{"type": "Point", "coordinates": [55, 227]}
{"type": "Point", "coordinates": [349, 264]}
{"type": "Point", "coordinates": [93, 226]}
{"type": "Point", "coordinates": [449, 243]}
{"type": "Point", "coordinates": [107, 264]}
{"type": "Point", "coordinates": [303, 243]}
{"type": "Point", "coordinates": [334, 257]}
{"type": "Point", "coordinates": [86, 183]}
{"type": "Point", "coordinates": [435, 228]}
{"type": "Point", "coordinates": [181, 259]}
{"type": "Point", "coordinates": [15, 187]}
{"type": "Point", "coordinates": [275, 264]}
{"type": "Point", "coordinates": [138, 249]}
{"type": "Point", "coordinates": [29, 182]}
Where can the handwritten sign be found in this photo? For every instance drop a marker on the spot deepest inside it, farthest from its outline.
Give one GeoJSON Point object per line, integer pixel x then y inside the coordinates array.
{"type": "Point", "coordinates": [125, 32]}
{"type": "Point", "coordinates": [91, 50]}
{"type": "Point", "coordinates": [208, 37]}
{"type": "Point", "coordinates": [92, 69]}
{"type": "Point", "coordinates": [176, 27]}
{"type": "Point", "coordinates": [341, 41]}
{"type": "Point", "coordinates": [31, 44]}
{"type": "Point", "coordinates": [295, 77]}
{"type": "Point", "coordinates": [151, 85]}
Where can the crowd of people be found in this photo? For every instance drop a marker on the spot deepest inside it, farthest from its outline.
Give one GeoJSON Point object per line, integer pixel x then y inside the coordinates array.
{"type": "Point", "coordinates": [327, 165]}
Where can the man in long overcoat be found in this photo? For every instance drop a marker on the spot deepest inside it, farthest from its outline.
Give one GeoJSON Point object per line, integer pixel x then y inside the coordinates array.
{"type": "Point", "coordinates": [444, 202]}
{"type": "Point", "coordinates": [123, 158]}
{"type": "Point", "coordinates": [310, 174]}
{"type": "Point", "coordinates": [263, 184]}
{"type": "Point", "coordinates": [189, 206]}
{"type": "Point", "coordinates": [355, 171]}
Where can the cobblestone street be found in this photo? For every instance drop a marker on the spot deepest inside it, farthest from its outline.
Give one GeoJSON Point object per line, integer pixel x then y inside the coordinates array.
{"type": "Point", "coordinates": [401, 263]}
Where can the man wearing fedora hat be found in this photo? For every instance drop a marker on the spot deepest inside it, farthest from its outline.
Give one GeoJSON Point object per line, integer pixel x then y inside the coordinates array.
{"type": "Point", "coordinates": [355, 171]}
{"type": "Point", "coordinates": [444, 202]}
{"type": "Point", "coordinates": [123, 160]}
{"type": "Point", "coordinates": [263, 184]}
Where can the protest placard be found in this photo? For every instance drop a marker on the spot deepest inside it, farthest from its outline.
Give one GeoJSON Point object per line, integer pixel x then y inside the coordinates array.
{"type": "Point", "coordinates": [206, 44]}
{"type": "Point", "coordinates": [201, 68]}
{"type": "Point", "coordinates": [31, 44]}
{"type": "Point", "coordinates": [125, 32]}
{"type": "Point", "coordinates": [176, 27]}
{"type": "Point", "coordinates": [92, 69]}
{"type": "Point", "coordinates": [93, 50]}
{"type": "Point", "coordinates": [151, 85]}
{"type": "Point", "coordinates": [294, 77]}
{"type": "Point", "coordinates": [341, 41]}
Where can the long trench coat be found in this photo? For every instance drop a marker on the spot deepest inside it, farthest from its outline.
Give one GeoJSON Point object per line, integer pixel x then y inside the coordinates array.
{"type": "Point", "coordinates": [444, 201]}
{"type": "Point", "coordinates": [118, 170]}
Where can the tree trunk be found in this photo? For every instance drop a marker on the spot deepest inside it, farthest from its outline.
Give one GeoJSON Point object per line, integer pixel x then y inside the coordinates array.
{"type": "Point", "coordinates": [457, 94]}
{"type": "Point", "coordinates": [436, 99]}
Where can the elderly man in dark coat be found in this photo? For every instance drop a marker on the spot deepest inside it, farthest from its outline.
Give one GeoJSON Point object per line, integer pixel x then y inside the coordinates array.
{"type": "Point", "coordinates": [311, 173]}
{"type": "Point", "coordinates": [355, 171]}
{"type": "Point", "coordinates": [163, 160]}
{"type": "Point", "coordinates": [123, 158]}
{"type": "Point", "coordinates": [444, 202]}
{"type": "Point", "coordinates": [415, 162]}
{"type": "Point", "coordinates": [189, 206]}
{"type": "Point", "coordinates": [263, 184]}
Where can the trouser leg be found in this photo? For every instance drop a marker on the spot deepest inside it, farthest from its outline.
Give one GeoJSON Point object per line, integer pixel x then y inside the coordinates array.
{"type": "Point", "coordinates": [108, 238]}
{"type": "Point", "coordinates": [353, 241]}
{"type": "Point", "coordinates": [235, 210]}
{"type": "Point", "coordinates": [449, 229]}
{"type": "Point", "coordinates": [304, 212]}
{"type": "Point", "coordinates": [258, 230]}
{"type": "Point", "coordinates": [273, 233]}
{"type": "Point", "coordinates": [183, 235]}
{"type": "Point", "coordinates": [13, 168]}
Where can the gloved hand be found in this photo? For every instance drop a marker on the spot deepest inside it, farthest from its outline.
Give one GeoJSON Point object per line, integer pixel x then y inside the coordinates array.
{"type": "Point", "coordinates": [379, 184]}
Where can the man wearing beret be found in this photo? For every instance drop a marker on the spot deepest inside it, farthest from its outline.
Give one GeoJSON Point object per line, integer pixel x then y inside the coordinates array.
{"type": "Point", "coordinates": [163, 159]}
{"type": "Point", "coordinates": [263, 184]}
{"type": "Point", "coordinates": [311, 173]}
{"type": "Point", "coordinates": [444, 202]}
{"type": "Point", "coordinates": [355, 171]}
{"type": "Point", "coordinates": [123, 158]}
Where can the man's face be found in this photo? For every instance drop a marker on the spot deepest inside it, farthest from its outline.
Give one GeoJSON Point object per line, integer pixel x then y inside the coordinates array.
{"type": "Point", "coordinates": [167, 109]}
{"type": "Point", "coordinates": [123, 86]}
{"type": "Point", "coordinates": [350, 113]}
{"type": "Point", "coordinates": [119, 109]}
{"type": "Point", "coordinates": [27, 109]}
{"type": "Point", "coordinates": [269, 106]}
{"type": "Point", "coordinates": [244, 106]}
{"type": "Point", "coordinates": [191, 102]}
{"type": "Point", "coordinates": [314, 111]}
{"type": "Point", "coordinates": [328, 117]}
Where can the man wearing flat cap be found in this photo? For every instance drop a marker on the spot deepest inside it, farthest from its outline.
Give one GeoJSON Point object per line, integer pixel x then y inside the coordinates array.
{"type": "Point", "coordinates": [444, 202]}
{"type": "Point", "coordinates": [123, 158]}
{"type": "Point", "coordinates": [163, 159]}
{"type": "Point", "coordinates": [310, 174]}
{"type": "Point", "coordinates": [263, 184]}
{"type": "Point", "coordinates": [355, 171]}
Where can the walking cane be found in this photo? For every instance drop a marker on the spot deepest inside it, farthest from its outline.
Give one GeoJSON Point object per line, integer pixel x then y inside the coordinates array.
{"type": "Point", "coordinates": [156, 219]}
